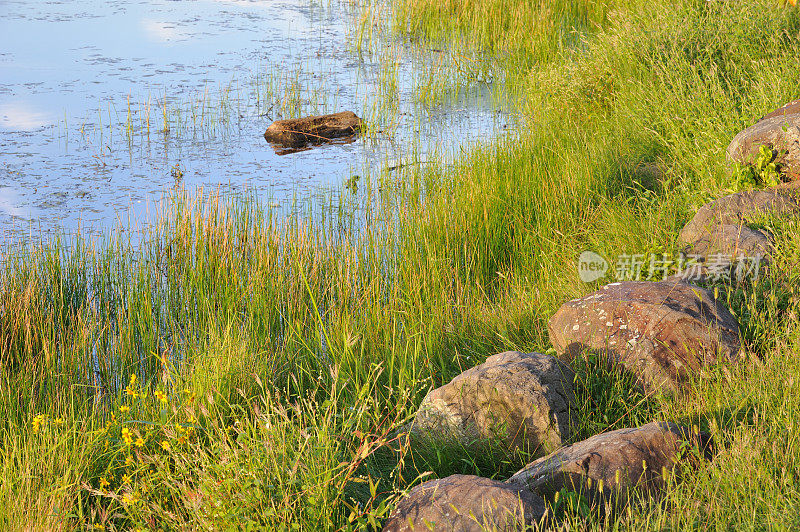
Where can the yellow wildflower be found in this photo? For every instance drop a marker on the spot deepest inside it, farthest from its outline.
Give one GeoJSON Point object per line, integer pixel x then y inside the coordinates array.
{"type": "Point", "coordinates": [190, 395]}
{"type": "Point", "coordinates": [124, 409]}
{"type": "Point", "coordinates": [160, 395]}
{"type": "Point", "coordinates": [139, 442]}
{"type": "Point", "coordinates": [126, 479]}
{"type": "Point", "coordinates": [165, 445]}
{"type": "Point", "coordinates": [127, 436]}
{"type": "Point", "coordinates": [59, 421]}
{"type": "Point", "coordinates": [130, 498]}
{"type": "Point", "coordinates": [104, 483]}
{"type": "Point", "coordinates": [131, 388]}
{"type": "Point", "coordinates": [36, 423]}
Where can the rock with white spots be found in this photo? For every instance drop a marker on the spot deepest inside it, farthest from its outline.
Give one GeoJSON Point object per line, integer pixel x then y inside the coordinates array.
{"type": "Point", "coordinates": [665, 333]}
{"type": "Point", "coordinates": [521, 400]}
{"type": "Point", "coordinates": [466, 503]}
{"type": "Point", "coordinates": [604, 468]}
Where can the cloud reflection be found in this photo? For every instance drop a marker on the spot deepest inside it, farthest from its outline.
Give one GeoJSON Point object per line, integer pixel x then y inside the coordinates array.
{"type": "Point", "coordinates": [21, 116]}
{"type": "Point", "coordinates": [162, 31]}
{"type": "Point", "coordinates": [9, 201]}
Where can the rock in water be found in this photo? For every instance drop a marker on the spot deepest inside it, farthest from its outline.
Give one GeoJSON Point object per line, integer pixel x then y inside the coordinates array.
{"type": "Point", "coordinates": [604, 468]}
{"type": "Point", "coordinates": [780, 130]}
{"type": "Point", "coordinates": [662, 332]}
{"type": "Point", "coordinates": [523, 400]}
{"type": "Point", "coordinates": [466, 503]}
{"type": "Point", "coordinates": [299, 132]}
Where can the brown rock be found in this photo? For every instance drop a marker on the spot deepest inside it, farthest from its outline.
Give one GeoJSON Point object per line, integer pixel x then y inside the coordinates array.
{"type": "Point", "coordinates": [607, 466]}
{"type": "Point", "coordinates": [731, 241]}
{"type": "Point", "coordinates": [466, 503]}
{"type": "Point", "coordinates": [520, 399]}
{"type": "Point", "coordinates": [789, 109]}
{"type": "Point", "coordinates": [720, 226]}
{"type": "Point", "coordinates": [780, 130]}
{"type": "Point", "coordinates": [791, 189]}
{"type": "Point", "coordinates": [662, 332]}
{"type": "Point", "coordinates": [298, 132]}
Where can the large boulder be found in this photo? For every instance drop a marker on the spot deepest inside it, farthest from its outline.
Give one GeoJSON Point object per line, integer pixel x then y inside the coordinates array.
{"type": "Point", "coordinates": [780, 130]}
{"type": "Point", "coordinates": [662, 332]}
{"type": "Point", "coordinates": [522, 400]}
{"type": "Point", "coordinates": [604, 468]}
{"type": "Point", "coordinates": [465, 503]}
{"type": "Point", "coordinates": [720, 227]}
{"type": "Point", "coordinates": [299, 132]}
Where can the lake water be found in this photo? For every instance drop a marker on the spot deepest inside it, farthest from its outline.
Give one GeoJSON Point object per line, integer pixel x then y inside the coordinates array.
{"type": "Point", "coordinates": [105, 107]}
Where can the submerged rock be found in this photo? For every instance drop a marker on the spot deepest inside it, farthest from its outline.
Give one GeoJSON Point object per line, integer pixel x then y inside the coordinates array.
{"type": "Point", "coordinates": [523, 400]}
{"type": "Point", "coordinates": [720, 226]}
{"type": "Point", "coordinates": [299, 132]}
{"type": "Point", "coordinates": [663, 332]}
{"type": "Point", "coordinates": [466, 503]}
{"type": "Point", "coordinates": [780, 130]}
{"type": "Point", "coordinates": [604, 468]}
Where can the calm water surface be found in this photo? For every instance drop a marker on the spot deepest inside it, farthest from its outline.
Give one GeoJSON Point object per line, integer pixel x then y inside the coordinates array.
{"type": "Point", "coordinates": [105, 107]}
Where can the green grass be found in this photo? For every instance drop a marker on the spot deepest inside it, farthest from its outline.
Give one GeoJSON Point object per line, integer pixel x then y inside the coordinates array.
{"type": "Point", "coordinates": [277, 357]}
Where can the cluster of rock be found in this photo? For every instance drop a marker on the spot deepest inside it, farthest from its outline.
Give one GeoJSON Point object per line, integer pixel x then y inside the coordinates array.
{"type": "Point", "coordinates": [666, 334]}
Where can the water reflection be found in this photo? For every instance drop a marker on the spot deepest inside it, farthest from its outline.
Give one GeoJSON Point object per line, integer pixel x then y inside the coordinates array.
{"type": "Point", "coordinates": [100, 100]}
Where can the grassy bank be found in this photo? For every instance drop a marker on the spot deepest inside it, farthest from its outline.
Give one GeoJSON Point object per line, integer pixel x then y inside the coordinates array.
{"type": "Point", "coordinates": [242, 370]}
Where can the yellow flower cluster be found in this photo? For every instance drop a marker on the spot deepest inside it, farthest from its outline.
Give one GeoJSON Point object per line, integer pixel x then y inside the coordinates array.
{"type": "Point", "coordinates": [128, 438]}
